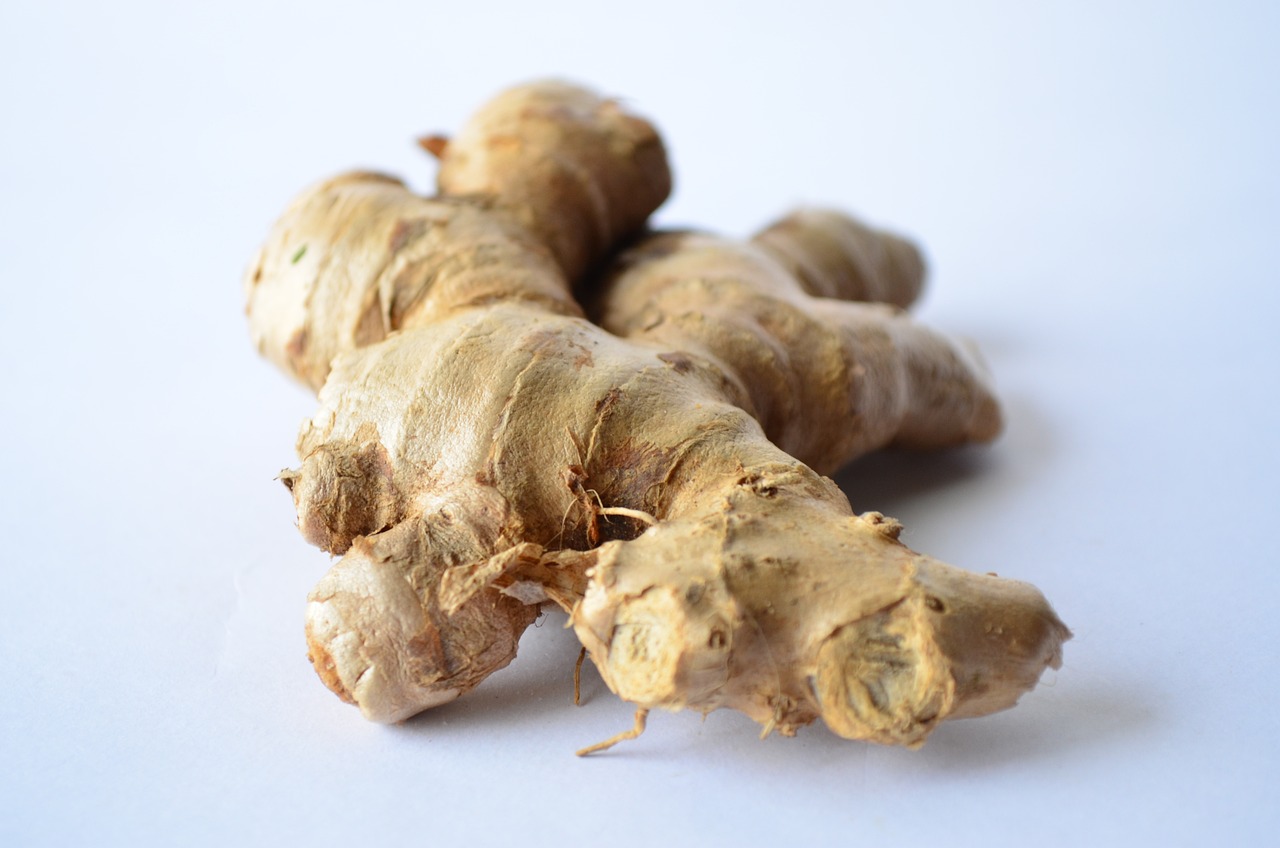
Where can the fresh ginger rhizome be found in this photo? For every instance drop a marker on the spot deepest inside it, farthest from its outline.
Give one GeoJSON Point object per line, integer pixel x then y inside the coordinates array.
{"type": "Point", "coordinates": [526, 398]}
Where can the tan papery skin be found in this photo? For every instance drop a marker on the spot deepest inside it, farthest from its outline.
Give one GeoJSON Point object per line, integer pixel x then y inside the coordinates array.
{"type": "Point", "coordinates": [482, 448]}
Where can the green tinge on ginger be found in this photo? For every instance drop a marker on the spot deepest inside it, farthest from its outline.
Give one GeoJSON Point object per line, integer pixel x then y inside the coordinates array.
{"type": "Point", "coordinates": [482, 448]}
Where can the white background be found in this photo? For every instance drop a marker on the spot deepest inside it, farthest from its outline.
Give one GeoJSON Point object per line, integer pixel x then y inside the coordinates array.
{"type": "Point", "coordinates": [1096, 186]}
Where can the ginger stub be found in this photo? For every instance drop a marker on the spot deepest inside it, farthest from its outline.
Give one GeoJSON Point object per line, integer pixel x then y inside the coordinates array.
{"type": "Point", "coordinates": [483, 448]}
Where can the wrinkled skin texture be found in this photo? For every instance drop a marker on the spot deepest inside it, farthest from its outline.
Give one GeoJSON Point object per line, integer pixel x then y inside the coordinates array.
{"type": "Point", "coordinates": [482, 448]}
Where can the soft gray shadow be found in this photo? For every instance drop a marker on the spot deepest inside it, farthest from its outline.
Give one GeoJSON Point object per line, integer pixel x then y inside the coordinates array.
{"type": "Point", "coordinates": [1069, 726]}
{"type": "Point", "coordinates": [882, 480]}
{"type": "Point", "coordinates": [888, 479]}
{"type": "Point", "coordinates": [1074, 723]}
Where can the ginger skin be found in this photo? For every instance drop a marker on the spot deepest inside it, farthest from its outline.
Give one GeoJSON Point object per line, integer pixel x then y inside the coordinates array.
{"type": "Point", "coordinates": [481, 447]}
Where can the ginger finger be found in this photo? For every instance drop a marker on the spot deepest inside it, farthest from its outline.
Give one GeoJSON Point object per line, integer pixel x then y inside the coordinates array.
{"type": "Point", "coordinates": [827, 379]}
{"type": "Point", "coordinates": [833, 255]}
{"type": "Point", "coordinates": [840, 622]}
{"type": "Point", "coordinates": [540, 184]}
{"type": "Point", "coordinates": [411, 656]}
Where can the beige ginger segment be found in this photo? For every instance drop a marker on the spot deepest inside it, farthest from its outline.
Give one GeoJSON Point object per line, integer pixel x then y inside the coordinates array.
{"type": "Point", "coordinates": [841, 622]}
{"type": "Point", "coordinates": [536, 187]}
{"type": "Point", "coordinates": [378, 637]}
{"type": "Point", "coordinates": [575, 170]}
{"type": "Point", "coordinates": [358, 257]}
{"type": "Point", "coordinates": [424, 412]}
{"type": "Point", "coordinates": [828, 380]}
{"type": "Point", "coordinates": [835, 256]}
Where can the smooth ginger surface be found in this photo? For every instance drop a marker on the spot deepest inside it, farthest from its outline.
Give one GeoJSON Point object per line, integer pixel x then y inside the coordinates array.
{"type": "Point", "coordinates": [482, 447]}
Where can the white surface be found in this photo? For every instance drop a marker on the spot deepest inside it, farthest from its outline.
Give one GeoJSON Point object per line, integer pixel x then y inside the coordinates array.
{"type": "Point", "coordinates": [1097, 187]}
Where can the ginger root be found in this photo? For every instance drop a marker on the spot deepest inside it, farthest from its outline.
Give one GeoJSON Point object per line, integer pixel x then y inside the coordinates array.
{"type": "Point", "coordinates": [481, 448]}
